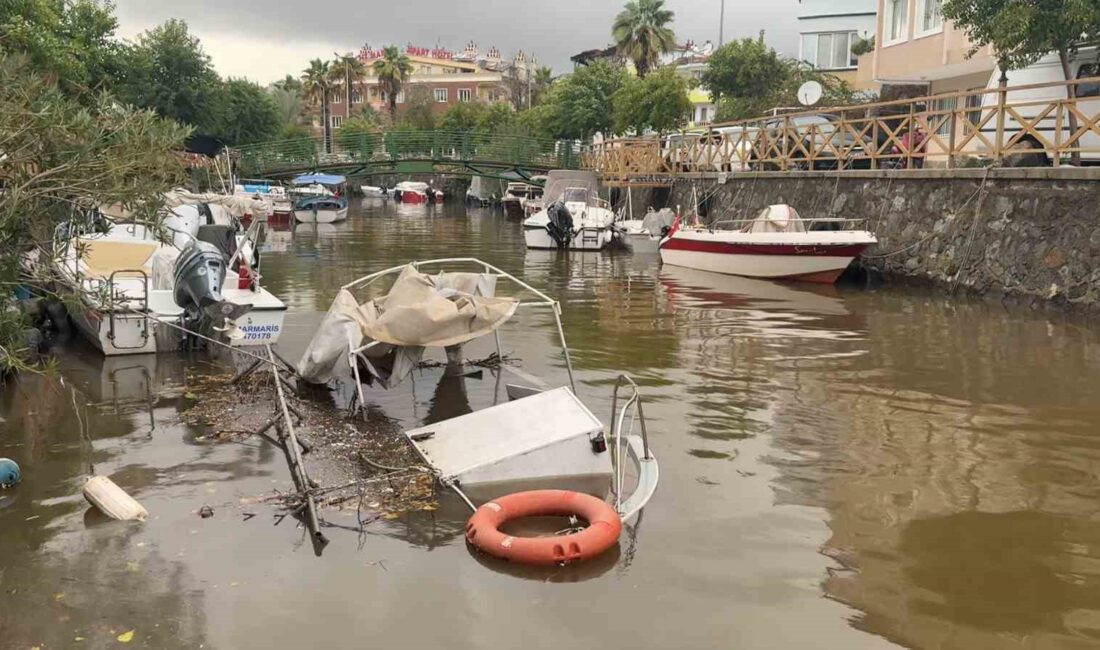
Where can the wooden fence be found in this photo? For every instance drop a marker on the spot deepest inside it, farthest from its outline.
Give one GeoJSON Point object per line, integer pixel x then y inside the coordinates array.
{"type": "Point", "coordinates": [1034, 125]}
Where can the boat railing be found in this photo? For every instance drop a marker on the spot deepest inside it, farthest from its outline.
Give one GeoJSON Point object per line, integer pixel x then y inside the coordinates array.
{"type": "Point", "coordinates": [541, 299]}
{"type": "Point", "coordinates": [713, 225]}
{"type": "Point", "coordinates": [627, 446]}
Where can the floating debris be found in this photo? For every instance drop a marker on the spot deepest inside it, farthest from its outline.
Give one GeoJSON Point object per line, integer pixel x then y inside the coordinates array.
{"type": "Point", "coordinates": [112, 500]}
{"type": "Point", "coordinates": [9, 473]}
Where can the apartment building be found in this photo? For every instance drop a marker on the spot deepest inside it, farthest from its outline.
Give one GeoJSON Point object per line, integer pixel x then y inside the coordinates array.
{"type": "Point", "coordinates": [828, 29]}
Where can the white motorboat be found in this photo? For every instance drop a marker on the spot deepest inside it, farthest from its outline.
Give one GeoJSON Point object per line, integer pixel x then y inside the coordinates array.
{"type": "Point", "coordinates": [644, 235]}
{"type": "Point", "coordinates": [516, 196]}
{"type": "Point", "coordinates": [132, 293]}
{"type": "Point", "coordinates": [574, 216]}
{"type": "Point", "coordinates": [321, 209]}
{"type": "Point", "coordinates": [374, 191]}
{"type": "Point", "coordinates": [777, 245]}
{"type": "Point", "coordinates": [274, 195]}
{"type": "Point", "coordinates": [478, 194]}
{"type": "Point", "coordinates": [544, 438]}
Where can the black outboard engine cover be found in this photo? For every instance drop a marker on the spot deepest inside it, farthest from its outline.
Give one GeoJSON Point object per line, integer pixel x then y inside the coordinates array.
{"type": "Point", "coordinates": [561, 224]}
{"type": "Point", "coordinates": [223, 237]}
{"type": "Point", "coordinates": [199, 276]}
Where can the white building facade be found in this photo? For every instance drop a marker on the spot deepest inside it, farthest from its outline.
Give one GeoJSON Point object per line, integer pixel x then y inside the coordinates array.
{"type": "Point", "coordinates": [829, 28]}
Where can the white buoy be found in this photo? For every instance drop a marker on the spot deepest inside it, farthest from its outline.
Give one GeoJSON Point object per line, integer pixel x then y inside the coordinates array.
{"type": "Point", "coordinates": [112, 500]}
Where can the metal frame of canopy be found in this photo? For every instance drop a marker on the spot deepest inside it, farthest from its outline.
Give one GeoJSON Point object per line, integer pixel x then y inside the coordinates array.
{"type": "Point", "coordinates": [542, 301]}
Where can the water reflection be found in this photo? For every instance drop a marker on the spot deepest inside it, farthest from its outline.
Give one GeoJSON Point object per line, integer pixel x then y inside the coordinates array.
{"type": "Point", "coordinates": [928, 465]}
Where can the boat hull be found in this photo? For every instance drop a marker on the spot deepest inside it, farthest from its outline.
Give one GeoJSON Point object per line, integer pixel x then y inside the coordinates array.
{"type": "Point", "coordinates": [806, 263]}
{"type": "Point", "coordinates": [513, 208]}
{"type": "Point", "coordinates": [321, 216]}
{"type": "Point", "coordinates": [588, 239]}
{"type": "Point", "coordinates": [135, 334]}
{"type": "Point", "coordinates": [641, 242]}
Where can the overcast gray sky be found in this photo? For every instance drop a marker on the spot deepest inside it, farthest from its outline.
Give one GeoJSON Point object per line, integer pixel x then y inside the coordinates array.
{"type": "Point", "coordinates": [263, 40]}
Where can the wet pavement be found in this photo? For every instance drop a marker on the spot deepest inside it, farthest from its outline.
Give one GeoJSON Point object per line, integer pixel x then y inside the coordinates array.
{"type": "Point", "coordinates": [840, 468]}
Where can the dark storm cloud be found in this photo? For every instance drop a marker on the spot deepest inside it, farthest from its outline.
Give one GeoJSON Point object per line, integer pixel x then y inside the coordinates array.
{"type": "Point", "coordinates": [264, 39]}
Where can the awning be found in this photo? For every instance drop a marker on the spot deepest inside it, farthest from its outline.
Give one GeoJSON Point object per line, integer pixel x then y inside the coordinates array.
{"type": "Point", "coordinates": [323, 179]}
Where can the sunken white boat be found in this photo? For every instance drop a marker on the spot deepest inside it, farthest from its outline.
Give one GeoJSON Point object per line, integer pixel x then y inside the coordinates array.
{"type": "Point", "coordinates": [544, 437]}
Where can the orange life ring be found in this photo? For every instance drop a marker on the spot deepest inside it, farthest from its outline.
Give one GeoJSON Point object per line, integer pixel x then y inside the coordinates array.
{"type": "Point", "coordinates": [604, 526]}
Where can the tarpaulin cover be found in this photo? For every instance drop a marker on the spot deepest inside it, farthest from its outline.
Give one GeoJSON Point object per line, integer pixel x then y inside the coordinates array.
{"type": "Point", "coordinates": [777, 218]}
{"type": "Point", "coordinates": [419, 311]}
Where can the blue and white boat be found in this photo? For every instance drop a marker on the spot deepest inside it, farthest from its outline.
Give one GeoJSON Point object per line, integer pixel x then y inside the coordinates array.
{"type": "Point", "coordinates": [317, 185]}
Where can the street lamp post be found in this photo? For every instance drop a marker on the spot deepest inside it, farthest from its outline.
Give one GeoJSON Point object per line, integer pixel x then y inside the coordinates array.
{"type": "Point", "coordinates": [721, 23]}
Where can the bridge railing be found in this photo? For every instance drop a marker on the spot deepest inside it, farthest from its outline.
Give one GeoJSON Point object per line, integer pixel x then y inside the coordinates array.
{"type": "Point", "coordinates": [1033, 125]}
{"type": "Point", "coordinates": [350, 150]}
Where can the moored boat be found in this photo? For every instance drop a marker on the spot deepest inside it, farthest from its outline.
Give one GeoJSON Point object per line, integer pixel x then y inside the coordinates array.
{"type": "Point", "coordinates": [274, 194]}
{"type": "Point", "coordinates": [777, 244]}
{"type": "Point", "coordinates": [374, 191]}
{"type": "Point", "coordinates": [133, 293]}
{"type": "Point", "coordinates": [321, 209]}
{"type": "Point", "coordinates": [416, 192]}
{"type": "Point", "coordinates": [644, 235]}
{"type": "Point", "coordinates": [308, 185]}
{"type": "Point", "coordinates": [574, 217]}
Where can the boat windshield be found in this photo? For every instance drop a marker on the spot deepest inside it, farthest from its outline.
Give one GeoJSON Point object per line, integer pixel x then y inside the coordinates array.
{"type": "Point", "coordinates": [575, 195]}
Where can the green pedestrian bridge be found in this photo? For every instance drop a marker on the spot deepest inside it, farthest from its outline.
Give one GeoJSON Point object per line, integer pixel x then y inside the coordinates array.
{"type": "Point", "coordinates": [408, 152]}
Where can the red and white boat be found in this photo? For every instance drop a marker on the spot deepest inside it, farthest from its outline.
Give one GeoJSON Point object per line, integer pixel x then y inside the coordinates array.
{"type": "Point", "coordinates": [416, 192]}
{"type": "Point", "coordinates": [777, 245]}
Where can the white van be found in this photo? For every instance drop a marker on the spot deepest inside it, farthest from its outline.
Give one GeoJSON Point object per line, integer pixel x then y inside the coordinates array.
{"type": "Point", "coordinates": [1047, 70]}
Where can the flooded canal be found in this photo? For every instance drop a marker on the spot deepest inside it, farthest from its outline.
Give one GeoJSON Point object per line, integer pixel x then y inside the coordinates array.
{"type": "Point", "coordinates": [840, 468]}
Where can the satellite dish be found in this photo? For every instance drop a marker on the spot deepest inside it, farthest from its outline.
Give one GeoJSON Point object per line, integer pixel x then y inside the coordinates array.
{"type": "Point", "coordinates": [809, 93]}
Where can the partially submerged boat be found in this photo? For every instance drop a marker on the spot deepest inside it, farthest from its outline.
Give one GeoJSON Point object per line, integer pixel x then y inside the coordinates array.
{"type": "Point", "coordinates": [479, 193]}
{"type": "Point", "coordinates": [543, 438]}
{"type": "Point", "coordinates": [777, 245]}
{"type": "Point", "coordinates": [374, 191]}
{"type": "Point", "coordinates": [132, 292]}
{"type": "Point", "coordinates": [574, 217]}
{"type": "Point", "coordinates": [321, 209]}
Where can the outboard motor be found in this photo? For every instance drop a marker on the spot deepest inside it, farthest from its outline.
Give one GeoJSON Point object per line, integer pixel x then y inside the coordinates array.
{"type": "Point", "coordinates": [561, 224]}
{"type": "Point", "coordinates": [199, 276]}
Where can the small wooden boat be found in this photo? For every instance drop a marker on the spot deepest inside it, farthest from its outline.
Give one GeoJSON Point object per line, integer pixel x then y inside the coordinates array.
{"type": "Point", "coordinates": [321, 209]}
{"type": "Point", "coordinates": [777, 245]}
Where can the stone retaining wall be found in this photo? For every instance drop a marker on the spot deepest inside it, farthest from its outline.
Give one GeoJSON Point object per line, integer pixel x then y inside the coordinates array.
{"type": "Point", "coordinates": [1030, 235]}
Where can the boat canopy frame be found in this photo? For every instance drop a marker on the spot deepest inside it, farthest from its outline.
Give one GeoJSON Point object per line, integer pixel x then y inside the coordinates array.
{"type": "Point", "coordinates": [541, 301]}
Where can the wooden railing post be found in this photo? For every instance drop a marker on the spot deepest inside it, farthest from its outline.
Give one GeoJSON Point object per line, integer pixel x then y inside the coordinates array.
{"type": "Point", "coordinates": [1056, 157]}
{"type": "Point", "coordinates": [784, 155]}
{"type": "Point", "coordinates": [909, 136]}
{"type": "Point", "coordinates": [1002, 97]}
{"type": "Point", "coordinates": [952, 133]}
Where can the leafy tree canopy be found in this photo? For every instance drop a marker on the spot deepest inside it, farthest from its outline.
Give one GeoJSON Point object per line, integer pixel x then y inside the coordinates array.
{"type": "Point", "coordinates": [248, 113]}
{"type": "Point", "coordinates": [746, 68]}
{"type": "Point", "coordinates": [580, 101]}
{"type": "Point", "coordinates": [659, 102]}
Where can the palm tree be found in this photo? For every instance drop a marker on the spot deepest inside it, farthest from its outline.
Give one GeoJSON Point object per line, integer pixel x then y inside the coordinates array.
{"type": "Point", "coordinates": [642, 34]}
{"type": "Point", "coordinates": [392, 70]}
{"type": "Point", "coordinates": [347, 69]}
{"type": "Point", "coordinates": [315, 84]}
{"type": "Point", "coordinates": [544, 76]}
{"type": "Point", "coordinates": [289, 83]}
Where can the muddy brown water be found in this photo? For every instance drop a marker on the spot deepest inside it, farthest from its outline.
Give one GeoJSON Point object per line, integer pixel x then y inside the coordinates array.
{"type": "Point", "coordinates": [840, 468]}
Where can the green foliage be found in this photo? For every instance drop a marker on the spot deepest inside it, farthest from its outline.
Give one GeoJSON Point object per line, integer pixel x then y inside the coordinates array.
{"type": "Point", "coordinates": [290, 84]}
{"type": "Point", "coordinates": [580, 103]}
{"type": "Point", "coordinates": [62, 156]}
{"type": "Point", "coordinates": [642, 34]}
{"type": "Point", "coordinates": [659, 102]}
{"type": "Point", "coordinates": [748, 79]}
{"type": "Point", "coordinates": [392, 70]}
{"type": "Point", "coordinates": [863, 46]}
{"type": "Point", "coordinates": [248, 113]}
{"type": "Point", "coordinates": [345, 70]}
{"type": "Point", "coordinates": [291, 131]}
{"type": "Point", "coordinates": [365, 123]}
{"type": "Point", "coordinates": [289, 104]}
{"type": "Point", "coordinates": [418, 113]}
{"type": "Point", "coordinates": [745, 69]}
{"type": "Point", "coordinates": [1022, 31]}
{"type": "Point", "coordinates": [71, 41]}
{"type": "Point", "coordinates": [463, 116]}
{"type": "Point", "coordinates": [315, 88]}
{"type": "Point", "coordinates": [168, 72]}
